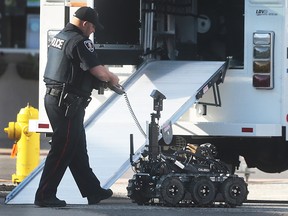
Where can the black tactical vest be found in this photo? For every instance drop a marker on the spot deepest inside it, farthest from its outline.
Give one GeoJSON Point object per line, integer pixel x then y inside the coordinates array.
{"type": "Point", "coordinates": [61, 68]}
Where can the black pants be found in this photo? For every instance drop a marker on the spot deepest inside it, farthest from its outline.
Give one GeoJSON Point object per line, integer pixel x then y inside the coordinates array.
{"type": "Point", "coordinates": [68, 149]}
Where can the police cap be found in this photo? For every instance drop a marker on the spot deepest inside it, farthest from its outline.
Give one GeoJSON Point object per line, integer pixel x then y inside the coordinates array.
{"type": "Point", "coordinates": [90, 15]}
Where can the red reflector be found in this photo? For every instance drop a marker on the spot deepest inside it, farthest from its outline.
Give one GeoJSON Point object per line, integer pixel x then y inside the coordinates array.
{"type": "Point", "coordinates": [43, 125]}
{"type": "Point", "coordinates": [247, 130]}
{"type": "Point", "coordinates": [263, 81]}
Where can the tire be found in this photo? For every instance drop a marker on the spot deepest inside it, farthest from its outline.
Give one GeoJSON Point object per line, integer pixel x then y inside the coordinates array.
{"type": "Point", "coordinates": [203, 191]}
{"type": "Point", "coordinates": [172, 191]}
{"type": "Point", "coordinates": [234, 191]}
{"type": "Point", "coordinates": [139, 198]}
{"type": "Point", "coordinates": [136, 194]}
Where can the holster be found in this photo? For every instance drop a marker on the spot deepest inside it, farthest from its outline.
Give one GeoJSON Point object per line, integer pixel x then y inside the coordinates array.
{"type": "Point", "coordinates": [73, 103]}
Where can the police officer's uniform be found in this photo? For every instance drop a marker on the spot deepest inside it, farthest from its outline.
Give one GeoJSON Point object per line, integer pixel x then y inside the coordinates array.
{"type": "Point", "coordinates": [68, 147]}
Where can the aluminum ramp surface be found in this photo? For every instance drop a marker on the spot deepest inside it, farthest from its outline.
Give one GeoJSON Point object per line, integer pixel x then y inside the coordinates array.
{"type": "Point", "coordinates": [108, 129]}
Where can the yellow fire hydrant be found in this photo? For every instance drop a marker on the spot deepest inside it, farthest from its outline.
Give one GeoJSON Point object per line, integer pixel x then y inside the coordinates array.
{"type": "Point", "coordinates": [27, 146]}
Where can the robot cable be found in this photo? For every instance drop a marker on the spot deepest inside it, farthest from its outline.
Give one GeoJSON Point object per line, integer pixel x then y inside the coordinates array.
{"type": "Point", "coordinates": [133, 115]}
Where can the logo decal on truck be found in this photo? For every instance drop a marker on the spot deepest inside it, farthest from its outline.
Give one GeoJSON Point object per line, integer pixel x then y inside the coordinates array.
{"type": "Point", "coordinates": [265, 12]}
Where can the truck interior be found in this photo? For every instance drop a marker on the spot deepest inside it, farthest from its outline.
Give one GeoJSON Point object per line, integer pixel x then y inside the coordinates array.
{"type": "Point", "coordinates": [170, 30]}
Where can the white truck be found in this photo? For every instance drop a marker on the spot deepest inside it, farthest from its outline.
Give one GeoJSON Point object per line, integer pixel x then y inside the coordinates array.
{"type": "Point", "coordinates": [179, 47]}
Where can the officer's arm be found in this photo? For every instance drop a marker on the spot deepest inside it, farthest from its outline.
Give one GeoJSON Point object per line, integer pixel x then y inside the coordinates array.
{"type": "Point", "coordinates": [88, 57]}
{"type": "Point", "coordinates": [103, 74]}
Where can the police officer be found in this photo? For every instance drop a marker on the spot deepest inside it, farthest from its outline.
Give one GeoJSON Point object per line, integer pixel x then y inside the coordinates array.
{"type": "Point", "coordinates": [70, 74]}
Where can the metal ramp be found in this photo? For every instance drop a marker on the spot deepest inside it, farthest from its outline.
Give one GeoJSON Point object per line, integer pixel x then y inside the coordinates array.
{"type": "Point", "coordinates": [108, 129]}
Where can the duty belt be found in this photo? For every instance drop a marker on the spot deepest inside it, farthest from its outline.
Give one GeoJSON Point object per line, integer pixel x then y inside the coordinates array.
{"type": "Point", "coordinates": [54, 92]}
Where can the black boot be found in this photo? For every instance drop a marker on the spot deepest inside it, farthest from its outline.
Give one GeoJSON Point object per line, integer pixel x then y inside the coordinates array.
{"type": "Point", "coordinates": [101, 195]}
{"type": "Point", "coordinates": [50, 202]}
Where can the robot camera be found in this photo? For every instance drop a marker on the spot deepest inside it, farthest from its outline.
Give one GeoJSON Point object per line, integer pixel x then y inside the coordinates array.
{"type": "Point", "coordinates": [158, 100]}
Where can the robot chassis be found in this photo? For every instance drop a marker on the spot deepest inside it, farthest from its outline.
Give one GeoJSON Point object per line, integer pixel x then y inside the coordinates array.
{"type": "Point", "coordinates": [185, 177]}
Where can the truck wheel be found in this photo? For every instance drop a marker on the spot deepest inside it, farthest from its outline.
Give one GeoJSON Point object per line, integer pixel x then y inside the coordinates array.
{"type": "Point", "coordinates": [234, 191]}
{"type": "Point", "coordinates": [203, 191]}
{"type": "Point", "coordinates": [172, 191]}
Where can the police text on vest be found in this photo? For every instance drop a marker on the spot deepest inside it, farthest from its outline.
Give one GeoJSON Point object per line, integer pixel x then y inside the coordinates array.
{"type": "Point", "coordinates": [57, 43]}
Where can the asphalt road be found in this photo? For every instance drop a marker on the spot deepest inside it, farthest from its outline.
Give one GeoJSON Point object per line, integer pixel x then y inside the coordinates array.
{"type": "Point", "coordinates": [124, 207]}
